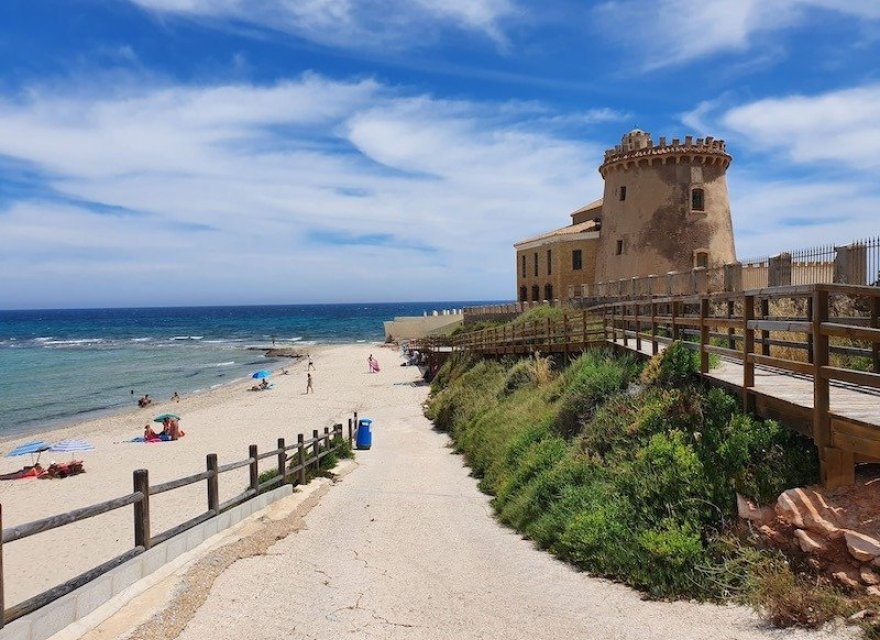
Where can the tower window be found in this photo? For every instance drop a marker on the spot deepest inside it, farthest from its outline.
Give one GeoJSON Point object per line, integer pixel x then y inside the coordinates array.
{"type": "Point", "coordinates": [548, 292]}
{"type": "Point", "coordinates": [523, 265]}
{"type": "Point", "coordinates": [622, 194]}
{"type": "Point", "coordinates": [523, 294]}
{"type": "Point", "coordinates": [536, 265]}
{"type": "Point", "coordinates": [701, 259]}
{"type": "Point", "coordinates": [536, 293]}
{"type": "Point", "coordinates": [697, 200]}
{"type": "Point", "coordinates": [549, 262]}
{"type": "Point", "coordinates": [577, 260]}
{"type": "Point", "coordinates": [620, 247]}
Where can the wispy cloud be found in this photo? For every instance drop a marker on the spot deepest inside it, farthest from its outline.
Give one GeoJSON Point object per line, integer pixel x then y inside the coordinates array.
{"type": "Point", "coordinates": [323, 183]}
{"type": "Point", "coordinates": [672, 32]}
{"type": "Point", "coordinates": [349, 23]}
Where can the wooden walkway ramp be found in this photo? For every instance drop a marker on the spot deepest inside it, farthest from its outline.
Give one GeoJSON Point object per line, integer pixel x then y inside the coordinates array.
{"type": "Point", "coordinates": [807, 355]}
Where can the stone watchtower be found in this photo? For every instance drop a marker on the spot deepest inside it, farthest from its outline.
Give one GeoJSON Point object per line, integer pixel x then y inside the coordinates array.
{"type": "Point", "coordinates": [665, 208]}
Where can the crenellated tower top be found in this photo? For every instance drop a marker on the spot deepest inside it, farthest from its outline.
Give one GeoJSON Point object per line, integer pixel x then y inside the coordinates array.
{"type": "Point", "coordinates": [636, 148]}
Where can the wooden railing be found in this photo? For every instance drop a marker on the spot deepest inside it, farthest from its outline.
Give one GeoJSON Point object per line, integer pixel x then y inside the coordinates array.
{"type": "Point", "coordinates": [292, 464]}
{"type": "Point", "coordinates": [827, 332]}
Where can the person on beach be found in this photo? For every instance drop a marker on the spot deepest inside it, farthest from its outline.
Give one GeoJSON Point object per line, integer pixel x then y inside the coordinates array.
{"type": "Point", "coordinates": [370, 363]}
{"type": "Point", "coordinates": [175, 397]}
{"type": "Point", "coordinates": [149, 434]}
{"type": "Point", "coordinates": [264, 384]}
{"type": "Point", "coordinates": [309, 387]}
{"type": "Point", "coordinates": [311, 365]}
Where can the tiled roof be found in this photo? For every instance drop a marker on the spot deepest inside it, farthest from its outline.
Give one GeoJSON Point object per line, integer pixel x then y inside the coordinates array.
{"type": "Point", "coordinates": [595, 204]}
{"type": "Point", "coordinates": [583, 227]}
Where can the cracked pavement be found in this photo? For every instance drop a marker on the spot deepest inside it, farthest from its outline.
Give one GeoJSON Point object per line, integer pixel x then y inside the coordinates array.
{"type": "Point", "coordinates": [405, 547]}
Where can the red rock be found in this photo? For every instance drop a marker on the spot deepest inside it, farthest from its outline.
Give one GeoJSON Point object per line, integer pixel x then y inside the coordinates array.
{"type": "Point", "coordinates": [748, 510]}
{"type": "Point", "coordinates": [810, 542]}
{"type": "Point", "coordinates": [806, 509]}
{"type": "Point", "coordinates": [869, 576]}
{"type": "Point", "coordinates": [847, 576]}
{"type": "Point", "coordinates": [861, 546]}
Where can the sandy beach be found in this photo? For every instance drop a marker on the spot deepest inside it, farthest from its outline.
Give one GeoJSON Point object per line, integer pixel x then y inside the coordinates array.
{"type": "Point", "coordinates": [223, 421]}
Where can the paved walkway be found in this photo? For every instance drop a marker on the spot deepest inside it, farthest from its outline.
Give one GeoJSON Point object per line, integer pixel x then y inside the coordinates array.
{"type": "Point", "coordinates": [406, 547]}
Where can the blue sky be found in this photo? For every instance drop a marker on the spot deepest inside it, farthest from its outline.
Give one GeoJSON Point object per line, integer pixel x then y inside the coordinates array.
{"type": "Point", "coordinates": [163, 152]}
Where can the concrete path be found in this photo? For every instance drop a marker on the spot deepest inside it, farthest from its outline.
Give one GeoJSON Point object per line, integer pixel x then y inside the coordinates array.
{"type": "Point", "coordinates": [406, 547]}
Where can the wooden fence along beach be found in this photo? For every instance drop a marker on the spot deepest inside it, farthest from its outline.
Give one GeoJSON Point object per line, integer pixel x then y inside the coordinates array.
{"type": "Point", "coordinates": [291, 464]}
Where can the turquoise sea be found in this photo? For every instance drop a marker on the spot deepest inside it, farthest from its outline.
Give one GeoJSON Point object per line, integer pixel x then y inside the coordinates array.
{"type": "Point", "coordinates": [58, 366]}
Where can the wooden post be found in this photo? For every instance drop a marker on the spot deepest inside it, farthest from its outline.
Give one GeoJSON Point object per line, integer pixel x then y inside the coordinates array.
{"type": "Point", "coordinates": [301, 455]}
{"type": "Point", "coordinates": [748, 348]}
{"type": "Point", "coordinates": [141, 482]}
{"type": "Point", "coordinates": [584, 329]}
{"type": "Point", "coordinates": [765, 335]}
{"type": "Point", "coordinates": [213, 483]}
{"type": "Point", "coordinates": [875, 346]}
{"type": "Point", "coordinates": [326, 437]}
{"type": "Point", "coordinates": [282, 461]}
{"type": "Point", "coordinates": [676, 334]}
{"type": "Point", "coordinates": [731, 332]}
{"type": "Point", "coordinates": [2, 594]}
{"type": "Point", "coordinates": [810, 335]}
{"type": "Point", "coordinates": [623, 313]}
{"type": "Point", "coordinates": [350, 434]}
{"type": "Point", "coordinates": [638, 328]}
{"type": "Point", "coordinates": [704, 335]}
{"type": "Point", "coordinates": [316, 447]}
{"type": "Point", "coordinates": [254, 467]}
{"type": "Point", "coordinates": [655, 345]}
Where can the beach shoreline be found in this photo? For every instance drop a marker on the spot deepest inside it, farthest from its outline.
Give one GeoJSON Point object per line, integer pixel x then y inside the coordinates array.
{"type": "Point", "coordinates": [224, 421]}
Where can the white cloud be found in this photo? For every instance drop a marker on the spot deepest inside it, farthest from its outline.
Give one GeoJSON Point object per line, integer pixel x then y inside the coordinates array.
{"type": "Point", "coordinates": [670, 32]}
{"type": "Point", "coordinates": [221, 193]}
{"type": "Point", "coordinates": [350, 23]}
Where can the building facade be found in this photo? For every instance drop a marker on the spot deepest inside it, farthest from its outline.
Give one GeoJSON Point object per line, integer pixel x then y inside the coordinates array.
{"type": "Point", "coordinates": [665, 208]}
{"type": "Point", "coordinates": [547, 264]}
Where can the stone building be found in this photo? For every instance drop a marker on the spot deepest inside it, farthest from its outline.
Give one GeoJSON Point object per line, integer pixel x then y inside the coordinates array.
{"type": "Point", "coordinates": [665, 208]}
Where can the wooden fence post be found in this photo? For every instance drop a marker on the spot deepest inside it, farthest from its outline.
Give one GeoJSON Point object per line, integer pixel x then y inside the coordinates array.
{"type": "Point", "coordinates": [213, 483]}
{"type": "Point", "coordinates": [875, 346]}
{"type": "Point", "coordinates": [2, 594]}
{"type": "Point", "coordinates": [254, 467]}
{"type": "Point", "coordinates": [350, 434]}
{"type": "Point", "coordinates": [326, 437]}
{"type": "Point", "coordinates": [704, 335]}
{"type": "Point", "coordinates": [655, 345]}
{"type": "Point", "coordinates": [624, 322]}
{"type": "Point", "coordinates": [301, 454]}
{"type": "Point", "coordinates": [316, 447]}
{"type": "Point", "coordinates": [748, 349]}
{"type": "Point", "coordinates": [731, 341]}
{"type": "Point", "coordinates": [765, 335]}
{"type": "Point", "coordinates": [676, 334]}
{"type": "Point", "coordinates": [636, 306]}
{"type": "Point", "coordinates": [141, 482]}
{"type": "Point", "coordinates": [282, 461]}
{"type": "Point", "coordinates": [810, 335]}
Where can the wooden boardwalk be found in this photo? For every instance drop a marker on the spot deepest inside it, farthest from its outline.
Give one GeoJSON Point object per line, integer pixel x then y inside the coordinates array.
{"type": "Point", "coordinates": [806, 355]}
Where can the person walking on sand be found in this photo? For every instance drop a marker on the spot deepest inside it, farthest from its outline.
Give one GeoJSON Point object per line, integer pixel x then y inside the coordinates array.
{"type": "Point", "coordinates": [311, 365]}
{"type": "Point", "coordinates": [309, 387]}
{"type": "Point", "coordinates": [370, 363]}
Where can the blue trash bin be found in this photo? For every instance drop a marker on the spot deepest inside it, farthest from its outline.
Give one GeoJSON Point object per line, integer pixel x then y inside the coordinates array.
{"type": "Point", "coordinates": [364, 433]}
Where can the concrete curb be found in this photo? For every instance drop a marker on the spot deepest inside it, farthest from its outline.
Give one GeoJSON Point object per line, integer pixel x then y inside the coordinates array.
{"type": "Point", "coordinates": [84, 609]}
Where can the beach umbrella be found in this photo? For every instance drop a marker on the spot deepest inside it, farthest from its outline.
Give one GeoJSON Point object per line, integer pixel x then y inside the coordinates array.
{"type": "Point", "coordinates": [36, 446]}
{"type": "Point", "coordinates": [262, 373]}
{"type": "Point", "coordinates": [69, 446]}
{"type": "Point", "coordinates": [166, 416]}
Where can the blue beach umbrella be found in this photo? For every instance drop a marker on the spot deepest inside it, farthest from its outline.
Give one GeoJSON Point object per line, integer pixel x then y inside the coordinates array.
{"type": "Point", "coordinates": [262, 373]}
{"type": "Point", "coordinates": [36, 446]}
{"type": "Point", "coordinates": [69, 446]}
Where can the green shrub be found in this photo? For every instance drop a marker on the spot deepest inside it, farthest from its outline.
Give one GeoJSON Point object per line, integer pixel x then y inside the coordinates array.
{"type": "Point", "coordinates": [590, 380]}
{"type": "Point", "coordinates": [676, 365]}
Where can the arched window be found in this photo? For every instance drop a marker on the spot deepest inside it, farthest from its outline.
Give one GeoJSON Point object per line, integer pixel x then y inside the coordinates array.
{"type": "Point", "coordinates": [698, 202]}
{"type": "Point", "coordinates": [523, 294]}
{"type": "Point", "coordinates": [548, 292]}
{"type": "Point", "coordinates": [536, 293]}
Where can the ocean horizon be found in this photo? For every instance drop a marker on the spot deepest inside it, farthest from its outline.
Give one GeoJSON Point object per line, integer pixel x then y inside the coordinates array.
{"type": "Point", "coordinates": [60, 366]}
